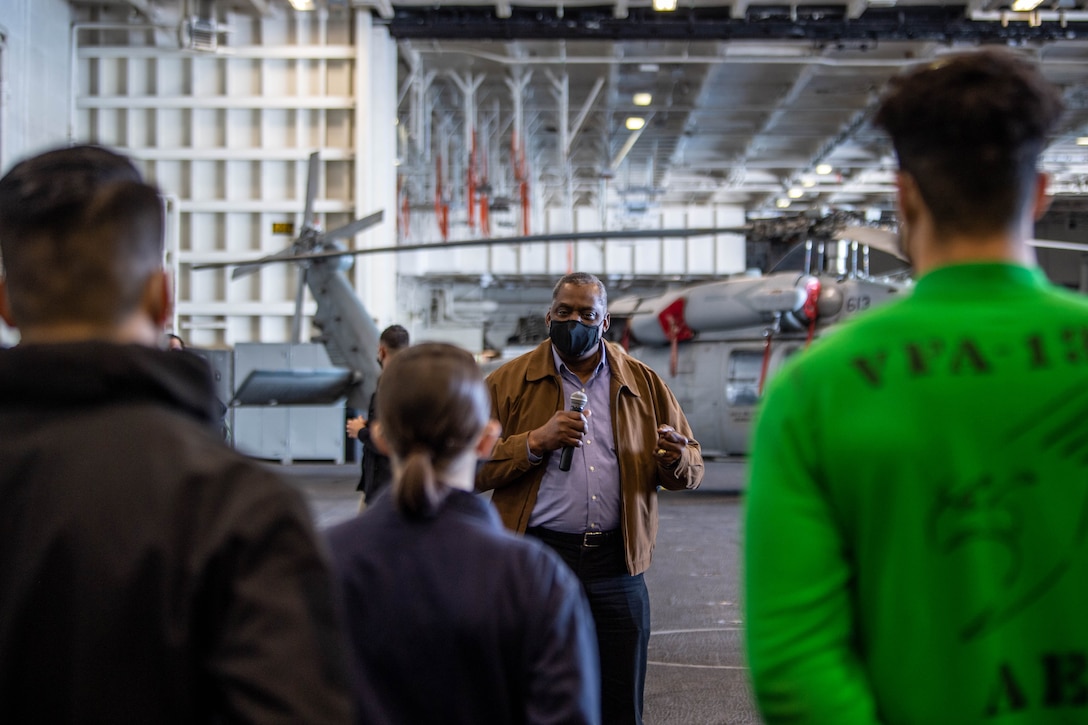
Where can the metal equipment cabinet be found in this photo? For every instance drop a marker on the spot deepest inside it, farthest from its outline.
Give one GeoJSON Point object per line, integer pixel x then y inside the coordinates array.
{"type": "Point", "coordinates": [287, 433]}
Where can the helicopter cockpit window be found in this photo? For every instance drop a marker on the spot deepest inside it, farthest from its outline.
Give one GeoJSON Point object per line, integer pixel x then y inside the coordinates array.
{"type": "Point", "coordinates": [742, 377]}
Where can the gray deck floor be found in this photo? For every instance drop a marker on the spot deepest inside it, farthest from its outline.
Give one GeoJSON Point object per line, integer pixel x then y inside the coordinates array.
{"type": "Point", "coordinates": [697, 674]}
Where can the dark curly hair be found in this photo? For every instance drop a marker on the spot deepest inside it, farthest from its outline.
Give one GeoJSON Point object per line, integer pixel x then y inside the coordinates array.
{"type": "Point", "coordinates": [969, 128]}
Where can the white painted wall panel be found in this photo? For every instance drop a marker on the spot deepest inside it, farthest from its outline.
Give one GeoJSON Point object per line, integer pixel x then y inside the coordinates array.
{"type": "Point", "coordinates": [560, 257]}
{"type": "Point", "coordinates": [731, 247]}
{"type": "Point", "coordinates": [505, 260]}
{"type": "Point", "coordinates": [277, 128]}
{"type": "Point", "coordinates": [674, 256]}
{"type": "Point", "coordinates": [534, 258]}
{"type": "Point", "coordinates": [223, 147]}
{"type": "Point", "coordinates": [648, 256]}
{"type": "Point", "coordinates": [619, 259]}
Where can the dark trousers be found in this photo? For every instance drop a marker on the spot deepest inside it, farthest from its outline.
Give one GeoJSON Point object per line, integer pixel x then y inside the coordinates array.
{"type": "Point", "coordinates": [621, 612]}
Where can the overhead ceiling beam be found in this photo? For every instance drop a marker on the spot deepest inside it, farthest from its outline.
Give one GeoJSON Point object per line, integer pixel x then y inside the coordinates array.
{"type": "Point", "coordinates": [761, 22]}
{"type": "Point", "coordinates": [582, 113]}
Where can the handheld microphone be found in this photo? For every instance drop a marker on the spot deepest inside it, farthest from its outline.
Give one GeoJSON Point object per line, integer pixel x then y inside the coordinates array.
{"type": "Point", "coordinates": [578, 402]}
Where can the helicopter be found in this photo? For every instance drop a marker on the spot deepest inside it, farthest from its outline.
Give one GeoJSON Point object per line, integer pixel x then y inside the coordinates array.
{"type": "Point", "coordinates": [718, 343]}
{"type": "Point", "coordinates": [346, 329]}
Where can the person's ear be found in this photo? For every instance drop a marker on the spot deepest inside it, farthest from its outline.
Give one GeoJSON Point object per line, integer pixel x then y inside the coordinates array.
{"type": "Point", "coordinates": [1042, 199]}
{"type": "Point", "coordinates": [908, 199]}
{"type": "Point", "coordinates": [607, 321]}
{"type": "Point", "coordinates": [158, 299]}
{"type": "Point", "coordinates": [5, 305]}
{"type": "Point", "coordinates": [488, 439]}
{"type": "Point", "coordinates": [909, 205]}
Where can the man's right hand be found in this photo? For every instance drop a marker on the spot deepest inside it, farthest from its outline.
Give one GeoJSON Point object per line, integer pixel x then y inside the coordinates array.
{"type": "Point", "coordinates": [565, 428]}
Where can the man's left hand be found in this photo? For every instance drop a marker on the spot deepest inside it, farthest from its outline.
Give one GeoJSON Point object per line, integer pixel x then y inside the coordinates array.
{"type": "Point", "coordinates": [670, 446]}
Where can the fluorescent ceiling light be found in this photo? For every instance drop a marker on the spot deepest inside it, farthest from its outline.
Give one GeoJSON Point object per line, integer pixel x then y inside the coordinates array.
{"type": "Point", "coordinates": [823, 169]}
{"type": "Point", "coordinates": [795, 193]}
{"type": "Point", "coordinates": [1082, 141]}
{"type": "Point", "coordinates": [808, 182]}
{"type": "Point", "coordinates": [634, 123]}
{"type": "Point", "coordinates": [642, 99]}
{"type": "Point", "coordinates": [305, 4]}
{"type": "Point", "coordinates": [782, 203]}
{"type": "Point", "coordinates": [648, 67]}
{"type": "Point", "coordinates": [1025, 6]}
{"type": "Point", "coordinates": [667, 6]}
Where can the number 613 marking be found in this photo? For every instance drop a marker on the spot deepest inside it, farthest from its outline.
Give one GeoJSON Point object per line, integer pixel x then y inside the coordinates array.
{"type": "Point", "coordinates": [856, 304]}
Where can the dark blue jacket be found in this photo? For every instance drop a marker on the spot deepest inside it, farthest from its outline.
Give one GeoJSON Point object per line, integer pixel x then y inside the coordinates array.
{"type": "Point", "coordinates": [452, 619]}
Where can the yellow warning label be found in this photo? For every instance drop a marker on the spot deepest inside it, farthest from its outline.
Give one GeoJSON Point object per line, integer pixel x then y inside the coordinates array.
{"type": "Point", "coordinates": [283, 228]}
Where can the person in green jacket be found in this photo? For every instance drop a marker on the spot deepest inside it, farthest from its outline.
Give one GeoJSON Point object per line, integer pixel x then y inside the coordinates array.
{"type": "Point", "coordinates": [917, 512]}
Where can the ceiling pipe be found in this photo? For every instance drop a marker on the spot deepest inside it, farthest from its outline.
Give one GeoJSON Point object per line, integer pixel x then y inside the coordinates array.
{"type": "Point", "coordinates": [582, 113]}
{"type": "Point", "coordinates": [1062, 17]}
{"type": "Point", "coordinates": [437, 49]}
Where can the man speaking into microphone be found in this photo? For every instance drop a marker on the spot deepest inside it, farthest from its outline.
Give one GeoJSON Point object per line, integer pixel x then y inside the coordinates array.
{"type": "Point", "coordinates": [596, 505]}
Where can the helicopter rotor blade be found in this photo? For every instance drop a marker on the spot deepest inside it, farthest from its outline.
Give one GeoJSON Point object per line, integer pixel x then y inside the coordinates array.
{"type": "Point", "coordinates": [352, 228]}
{"type": "Point", "coordinates": [311, 189]}
{"type": "Point", "coordinates": [490, 241]}
{"type": "Point", "coordinates": [248, 268]}
{"type": "Point", "coordinates": [289, 253]}
{"type": "Point", "coordinates": [1053, 244]}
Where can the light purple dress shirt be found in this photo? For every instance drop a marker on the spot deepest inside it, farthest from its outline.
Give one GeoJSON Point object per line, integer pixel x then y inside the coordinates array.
{"type": "Point", "coordinates": [587, 497]}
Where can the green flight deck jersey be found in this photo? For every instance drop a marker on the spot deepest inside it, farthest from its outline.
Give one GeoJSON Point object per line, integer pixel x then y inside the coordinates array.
{"type": "Point", "coordinates": [917, 512]}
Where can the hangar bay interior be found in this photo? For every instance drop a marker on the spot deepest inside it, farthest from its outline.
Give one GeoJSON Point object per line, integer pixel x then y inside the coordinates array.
{"type": "Point", "coordinates": [496, 119]}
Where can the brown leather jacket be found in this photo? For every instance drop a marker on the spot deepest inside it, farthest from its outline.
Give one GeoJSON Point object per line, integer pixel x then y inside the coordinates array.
{"type": "Point", "coordinates": [527, 391]}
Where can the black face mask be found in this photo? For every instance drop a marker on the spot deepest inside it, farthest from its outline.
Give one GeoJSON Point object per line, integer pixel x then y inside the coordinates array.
{"type": "Point", "coordinates": [573, 339]}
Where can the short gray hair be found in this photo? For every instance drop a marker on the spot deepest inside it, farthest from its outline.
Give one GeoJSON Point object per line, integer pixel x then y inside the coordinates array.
{"type": "Point", "coordinates": [579, 279]}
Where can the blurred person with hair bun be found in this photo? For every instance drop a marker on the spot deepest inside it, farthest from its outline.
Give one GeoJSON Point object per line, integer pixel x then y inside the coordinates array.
{"type": "Point", "coordinates": [452, 618]}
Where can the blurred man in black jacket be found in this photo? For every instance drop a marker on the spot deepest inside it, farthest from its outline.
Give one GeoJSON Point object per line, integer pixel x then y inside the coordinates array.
{"type": "Point", "coordinates": [148, 573]}
{"type": "Point", "coordinates": [377, 471]}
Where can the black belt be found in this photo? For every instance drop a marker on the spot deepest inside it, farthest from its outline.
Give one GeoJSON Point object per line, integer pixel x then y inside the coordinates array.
{"type": "Point", "coordinates": [587, 540]}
